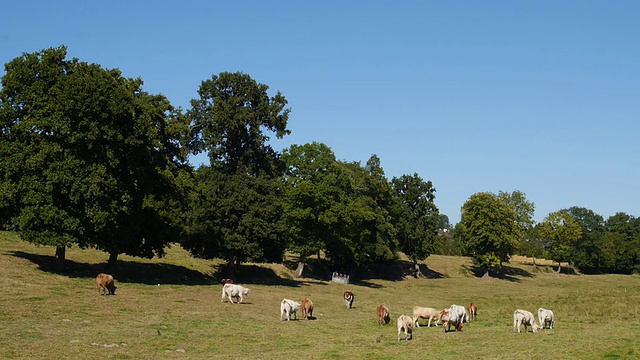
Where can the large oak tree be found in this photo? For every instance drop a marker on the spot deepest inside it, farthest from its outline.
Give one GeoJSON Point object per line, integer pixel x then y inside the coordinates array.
{"type": "Point", "coordinates": [490, 229]}
{"type": "Point", "coordinates": [237, 210]}
{"type": "Point", "coordinates": [87, 157]}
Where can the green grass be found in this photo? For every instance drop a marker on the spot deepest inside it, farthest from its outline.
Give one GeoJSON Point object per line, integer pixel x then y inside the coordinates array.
{"type": "Point", "coordinates": [170, 305]}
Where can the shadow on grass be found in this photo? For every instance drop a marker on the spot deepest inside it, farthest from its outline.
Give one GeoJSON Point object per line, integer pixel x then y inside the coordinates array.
{"type": "Point", "coordinates": [255, 274]}
{"type": "Point", "coordinates": [508, 273]}
{"type": "Point", "coordinates": [127, 271]}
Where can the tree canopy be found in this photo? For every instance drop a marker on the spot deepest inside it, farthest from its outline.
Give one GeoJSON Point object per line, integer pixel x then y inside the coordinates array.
{"type": "Point", "coordinates": [237, 214]}
{"type": "Point", "coordinates": [88, 157]}
{"type": "Point", "coordinates": [562, 232]}
{"type": "Point", "coordinates": [490, 230]}
{"type": "Point", "coordinates": [415, 216]}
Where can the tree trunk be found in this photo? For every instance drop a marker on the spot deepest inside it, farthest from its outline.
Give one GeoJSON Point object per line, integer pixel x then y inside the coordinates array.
{"type": "Point", "coordinates": [112, 263]}
{"type": "Point", "coordinates": [318, 255]}
{"type": "Point", "coordinates": [416, 269]}
{"type": "Point", "coordinates": [60, 256]}
{"type": "Point", "coordinates": [486, 273]}
{"type": "Point", "coordinates": [300, 268]}
{"type": "Point", "coordinates": [559, 267]}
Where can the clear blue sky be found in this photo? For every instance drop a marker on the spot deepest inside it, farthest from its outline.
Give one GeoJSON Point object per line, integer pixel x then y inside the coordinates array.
{"type": "Point", "coordinates": [537, 96]}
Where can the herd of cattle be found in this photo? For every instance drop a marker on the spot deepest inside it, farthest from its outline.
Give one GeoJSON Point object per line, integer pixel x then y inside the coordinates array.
{"type": "Point", "coordinates": [455, 315]}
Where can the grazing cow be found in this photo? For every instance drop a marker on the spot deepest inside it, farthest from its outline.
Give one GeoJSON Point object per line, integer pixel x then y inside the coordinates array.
{"type": "Point", "coordinates": [307, 308]}
{"type": "Point", "coordinates": [526, 318]}
{"type": "Point", "coordinates": [462, 312]}
{"type": "Point", "coordinates": [227, 281]}
{"type": "Point", "coordinates": [383, 315]}
{"type": "Point", "coordinates": [545, 317]}
{"type": "Point", "coordinates": [105, 284]}
{"type": "Point", "coordinates": [451, 317]}
{"type": "Point", "coordinates": [473, 311]}
{"type": "Point", "coordinates": [426, 313]}
{"type": "Point", "coordinates": [233, 291]}
{"type": "Point", "coordinates": [405, 324]}
{"type": "Point", "coordinates": [288, 308]}
{"type": "Point", "coordinates": [348, 299]}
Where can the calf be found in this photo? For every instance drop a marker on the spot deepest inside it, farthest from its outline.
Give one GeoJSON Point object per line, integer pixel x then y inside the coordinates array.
{"type": "Point", "coordinates": [451, 317]}
{"type": "Point", "coordinates": [545, 317]}
{"type": "Point", "coordinates": [307, 308]}
{"type": "Point", "coordinates": [426, 313]}
{"type": "Point", "coordinates": [473, 311]}
{"type": "Point", "coordinates": [383, 315]}
{"type": "Point", "coordinates": [227, 281]}
{"type": "Point", "coordinates": [348, 299]}
{"type": "Point", "coordinates": [105, 284]}
{"type": "Point", "coordinates": [405, 324]}
{"type": "Point", "coordinates": [288, 308]}
{"type": "Point", "coordinates": [233, 291]}
{"type": "Point", "coordinates": [526, 318]}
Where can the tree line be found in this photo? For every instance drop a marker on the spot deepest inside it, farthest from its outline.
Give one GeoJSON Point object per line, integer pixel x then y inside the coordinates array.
{"type": "Point", "coordinates": [90, 159]}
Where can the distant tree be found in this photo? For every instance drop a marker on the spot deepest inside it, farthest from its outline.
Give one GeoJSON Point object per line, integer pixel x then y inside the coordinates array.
{"type": "Point", "coordinates": [314, 198]}
{"type": "Point", "coordinates": [588, 255]}
{"type": "Point", "coordinates": [622, 224]}
{"type": "Point", "coordinates": [443, 222]}
{"type": "Point", "coordinates": [366, 234]}
{"type": "Point", "coordinates": [622, 247]}
{"type": "Point", "coordinates": [562, 232]}
{"type": "Point", "coordinates": [490, 230]}
{"type": "Point", "coordinates": [524, 208]}
{"type": "Point", "coordinates": [88, 158]}
{"type": "Point", "coordinates": [415, 216]}
{"type": "Point", "coordinates": [238, 215]}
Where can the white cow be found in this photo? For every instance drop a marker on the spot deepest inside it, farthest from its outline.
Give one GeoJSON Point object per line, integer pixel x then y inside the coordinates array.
{"type": "Point", "coordinates": [526, 318]}
{"type": "Point", "coordinates": [462, 312]}
{"type": "Point", "coordinates": [545, 317]}
{"type": "Point", "coordinates": [289, 307]}
{"type": "Point", "coordinates": [451, 317]}
{"type": "Point", "coordinates": [405, 324]}
{"type": "Point", "coordinates": [233, 291]}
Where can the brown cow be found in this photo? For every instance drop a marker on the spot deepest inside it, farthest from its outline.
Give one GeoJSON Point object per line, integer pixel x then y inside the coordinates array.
{"type": "Point", "coordinates": [383, 315]}
{"type": "Point", "coordinates": [105, 284]}
{"type": "Point", "coordinates": [227, 281]}
{"type": "Point", "coordinates": [473, 311]}
{"type": "Point", "coordinates": [307, 308]}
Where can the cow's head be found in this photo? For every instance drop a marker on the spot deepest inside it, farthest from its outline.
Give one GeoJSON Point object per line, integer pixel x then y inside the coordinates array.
{"type": "Point", "coordinates": [534, 327]}
{"type": "Point", "coordinates": [245, 291]}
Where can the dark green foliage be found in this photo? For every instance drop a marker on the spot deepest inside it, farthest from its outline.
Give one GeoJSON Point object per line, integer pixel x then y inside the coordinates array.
{"type": "Point", "coordinates": [562, 232]}
{"type": "Point", "coordinates": [236, 217]}
{"type": "Point", "coordinates": [365, 234]}
{"type": "Point", "coordinates": [490, 229]}
{"type": "Point", "coordinates": [237, 209]}
{"type": "Point", "coordinates": [314, 197]}
{"type": "Point", "coordinates": [415, 216]}
{"type": "Point", "coordinates": [87, 157]}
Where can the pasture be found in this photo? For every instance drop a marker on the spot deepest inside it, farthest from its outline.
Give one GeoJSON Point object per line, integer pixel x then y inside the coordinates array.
{"type": "Point", "coordinates": [170, 308]}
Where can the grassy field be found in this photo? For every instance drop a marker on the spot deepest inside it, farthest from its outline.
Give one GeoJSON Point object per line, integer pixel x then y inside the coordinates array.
{"type": "Point", "coordinates": [170, 308]}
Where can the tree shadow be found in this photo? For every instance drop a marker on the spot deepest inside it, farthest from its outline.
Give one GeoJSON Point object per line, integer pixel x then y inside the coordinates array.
{"type": "Point", "coordinates": [127, 271]}
{"type": "Point", "coordinates": [506, 272]}
{"type": "Point", "coordinates": [254, 274]}
{"type": "Point", "coordinates": [396, 271]}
